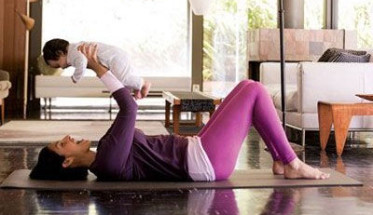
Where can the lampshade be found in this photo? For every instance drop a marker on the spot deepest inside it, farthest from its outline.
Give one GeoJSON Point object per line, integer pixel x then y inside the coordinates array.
{"type": "Point", "coordinates": [200, 7]}
{"type": "Point", "coordinates": [27, 21]}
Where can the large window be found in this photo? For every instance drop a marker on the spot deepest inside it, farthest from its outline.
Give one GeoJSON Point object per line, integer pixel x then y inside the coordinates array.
{"type": "Point", "coordinates": [357, 15]}
{"type": "Point", "coordinates": [314, 13]}
{"type": "Point", "coordinates": [225, 40]}
{"type": "Point", "coordinates": [154, 33]}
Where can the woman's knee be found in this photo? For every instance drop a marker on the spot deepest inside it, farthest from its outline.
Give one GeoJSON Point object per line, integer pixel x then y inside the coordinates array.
{"type": "Point", "coordinates": [242, 84]}
{"type": "Point", "coordinates": [246, 81]}
{"type": "Point", "coordinates": [255, 86]}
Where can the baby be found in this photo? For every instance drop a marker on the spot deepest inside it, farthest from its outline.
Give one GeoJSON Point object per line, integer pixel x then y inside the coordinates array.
{"type": "Point", "coordinates": [59, 53]}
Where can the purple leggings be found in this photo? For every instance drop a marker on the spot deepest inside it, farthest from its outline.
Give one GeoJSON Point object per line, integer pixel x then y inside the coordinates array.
{"type": "Point", "coordinates": [225, 132]}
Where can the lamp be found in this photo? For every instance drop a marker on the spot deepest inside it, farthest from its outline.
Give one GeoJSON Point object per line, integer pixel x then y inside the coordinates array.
{"type": "Point", "coordinates": [282, 59]}
{"type": "Point", "coordinates": [29, 23]}
{"type": "Point", "coordinates": [200, 7]}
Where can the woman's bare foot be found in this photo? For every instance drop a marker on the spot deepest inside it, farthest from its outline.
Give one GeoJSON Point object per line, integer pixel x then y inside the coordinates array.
{"type": "Point", "coordinates": [298, 169]}
{"type": "Point", "coordinates": [145, 89]}
{"type": "Point", "coordinates": [278, 168]}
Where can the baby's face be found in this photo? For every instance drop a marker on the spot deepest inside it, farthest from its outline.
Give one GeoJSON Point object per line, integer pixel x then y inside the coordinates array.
{"type": "Point", "coordinates": [60, 63]}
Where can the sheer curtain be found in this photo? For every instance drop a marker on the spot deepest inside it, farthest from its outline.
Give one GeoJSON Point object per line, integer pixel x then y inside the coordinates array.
{"type": "Point", "coordinates": [225, 36]}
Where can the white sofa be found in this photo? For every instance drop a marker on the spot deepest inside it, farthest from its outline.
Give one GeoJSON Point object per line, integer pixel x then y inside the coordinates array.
{"type": "Point", "coordinates": [310, 82]}
{"type": "Point", "coordinates": [47, 87]}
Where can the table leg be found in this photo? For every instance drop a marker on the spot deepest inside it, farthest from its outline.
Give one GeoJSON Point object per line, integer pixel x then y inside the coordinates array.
{"type": "Point", "coordinates": [341, 121]}
{"type": "Point", "coordinates": [198, 119]}
{"type": "Point", "coordinates": [167, 114]}
{"type": "Point", "coordinates": [176, 118]}
{"type": "Point", "coordinates": [325, 123]}
{"type": "Point", "coordinates": [211, 112]}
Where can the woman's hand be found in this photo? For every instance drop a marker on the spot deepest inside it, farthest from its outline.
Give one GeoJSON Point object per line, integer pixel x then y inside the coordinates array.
{"type": "Point", "coordinates": [90, 52]}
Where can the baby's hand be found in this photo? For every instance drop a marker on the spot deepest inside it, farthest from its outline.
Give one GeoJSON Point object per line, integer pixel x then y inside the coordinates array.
{"type": "Point", "coordinates": [73, 80]}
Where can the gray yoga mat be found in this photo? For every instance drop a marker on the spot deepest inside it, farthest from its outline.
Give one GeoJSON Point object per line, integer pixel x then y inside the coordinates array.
{"type": "Point", "coordinates": [240, 179]}
{"type": "Point", "coordinates": [42, 132]}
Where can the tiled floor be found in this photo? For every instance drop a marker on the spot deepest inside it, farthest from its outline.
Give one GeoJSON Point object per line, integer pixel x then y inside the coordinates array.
{"type": "Point", "coordinates": [356, 162]}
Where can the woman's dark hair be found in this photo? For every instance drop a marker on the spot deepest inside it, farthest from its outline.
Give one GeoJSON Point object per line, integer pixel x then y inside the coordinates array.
{"type": "Point", "coordinates": [49, 167]}
{"type": "Point", "coordinates": [54, 48]}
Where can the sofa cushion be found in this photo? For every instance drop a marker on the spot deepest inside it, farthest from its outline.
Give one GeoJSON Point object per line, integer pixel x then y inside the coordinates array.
{"type": "Point", "coordinates": [291, 98]}
{"type": "Point", "coordinates": [350, 58]}
{"type": "Point", "coordinates": [331, 52]}
{"type": "Point", "coordinates": [5, 85]}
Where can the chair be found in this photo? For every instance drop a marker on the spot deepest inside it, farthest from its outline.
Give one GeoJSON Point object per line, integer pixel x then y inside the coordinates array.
{"type": "Point", "coordinates": [5, 85]}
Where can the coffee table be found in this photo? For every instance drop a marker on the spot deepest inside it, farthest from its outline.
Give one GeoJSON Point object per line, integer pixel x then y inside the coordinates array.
{"type": "Point", "coordinates": [196, 102]}
{"type": "Point", "coordinates": [340, 115]}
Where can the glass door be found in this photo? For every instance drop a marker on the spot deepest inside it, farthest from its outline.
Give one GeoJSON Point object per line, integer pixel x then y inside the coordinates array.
{"type": "Point", "coordinates": [225, 40]}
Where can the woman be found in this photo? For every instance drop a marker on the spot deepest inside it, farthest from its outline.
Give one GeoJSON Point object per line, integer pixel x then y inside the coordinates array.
{"type": "Point", "coordinates": [125, 153]}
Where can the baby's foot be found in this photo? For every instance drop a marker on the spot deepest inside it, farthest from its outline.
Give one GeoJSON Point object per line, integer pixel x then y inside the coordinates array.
{"type": "Point", "coordinates": [137, 94]}
{"type": "Point", "coordinates": [278, 168]}
{"type": "Point", "coordinates": [298, 169]}
{"type": "Point", "coordinates": [145, 89]}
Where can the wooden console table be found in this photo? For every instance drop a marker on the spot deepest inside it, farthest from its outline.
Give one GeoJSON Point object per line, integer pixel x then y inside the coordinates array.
{"type": "Point", "coordinates": [340, 115]}
{"type": "Point", "coordinates": [187, 101]}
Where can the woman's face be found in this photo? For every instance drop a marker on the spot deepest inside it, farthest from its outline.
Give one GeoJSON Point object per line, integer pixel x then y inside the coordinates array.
{"type": "Point", "coordinates": [68, 146]}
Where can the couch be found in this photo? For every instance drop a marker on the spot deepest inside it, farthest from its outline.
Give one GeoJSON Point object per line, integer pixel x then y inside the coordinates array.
{"type": "Point", "coordinates": [5, 85]}
{"type": "Point", "coordinates": [47, 87]}
{"type": "Point", "coordinates": [310, 82]}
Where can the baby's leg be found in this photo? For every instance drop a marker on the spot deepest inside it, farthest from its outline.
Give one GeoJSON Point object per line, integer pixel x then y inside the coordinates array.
{"type": "Point", "coordinates": [145, 89]}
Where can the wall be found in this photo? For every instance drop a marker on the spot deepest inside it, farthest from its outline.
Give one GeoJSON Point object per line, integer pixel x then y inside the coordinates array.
{"type": "Point", "coordinates": [300, 44]}
{"type": "Point", "coordinates": [12, 54]}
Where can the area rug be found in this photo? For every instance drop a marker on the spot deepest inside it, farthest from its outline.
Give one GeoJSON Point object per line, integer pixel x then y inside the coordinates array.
{"type": "Point", "coordinates": [260, 178]}
{"type": "Point", "coordinates": [40, 132]}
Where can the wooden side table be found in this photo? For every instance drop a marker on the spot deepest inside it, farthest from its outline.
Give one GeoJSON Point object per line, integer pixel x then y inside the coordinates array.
{"type": "Point", "coordinates": [189, 102]}
{"type": "Point", "coordinates": [340, 115]}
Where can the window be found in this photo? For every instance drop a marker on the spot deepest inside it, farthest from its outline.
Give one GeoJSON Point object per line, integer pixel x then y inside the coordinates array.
{"type": "Point", "coordinates": [314, 13]}
{"type": "Point", "coordinates": [357, 15]}
{"type": "Point", "coordinates": [225, 40]}
{"type": "Point", "coordinates": [154, 33]}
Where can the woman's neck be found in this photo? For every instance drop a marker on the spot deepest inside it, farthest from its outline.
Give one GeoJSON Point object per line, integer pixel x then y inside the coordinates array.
{"type": "Point", "coordinates": [86, 160]}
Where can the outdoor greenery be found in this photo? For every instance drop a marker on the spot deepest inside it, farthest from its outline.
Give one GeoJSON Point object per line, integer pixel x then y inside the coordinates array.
{"type": "Point", "coordinates": [314, 14]}
{"type": "Point", "coordinates": [359, 19]}
{"type": "Point", "coordinates": [225, 36]}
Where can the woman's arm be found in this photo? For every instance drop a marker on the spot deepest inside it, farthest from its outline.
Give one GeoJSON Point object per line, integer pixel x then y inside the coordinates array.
{"type": "Point", "coordinates": [90, 52]}
{"type": "Point", "coordinates": [114, 148]}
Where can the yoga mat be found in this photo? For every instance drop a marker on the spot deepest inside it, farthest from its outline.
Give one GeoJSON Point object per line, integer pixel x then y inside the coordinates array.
{"type": "Point", "coordinates": [240, 179]}
{"type": "Point", "coordinates": [42, 132]}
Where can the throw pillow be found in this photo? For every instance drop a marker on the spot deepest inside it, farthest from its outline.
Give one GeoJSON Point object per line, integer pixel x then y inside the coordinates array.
{"type": "Point", "coordinates": [350, 58]}
{"type": "Point", "coordinates": [45, 69]}
{"type": "Point", "coordinates": [331, 52]}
